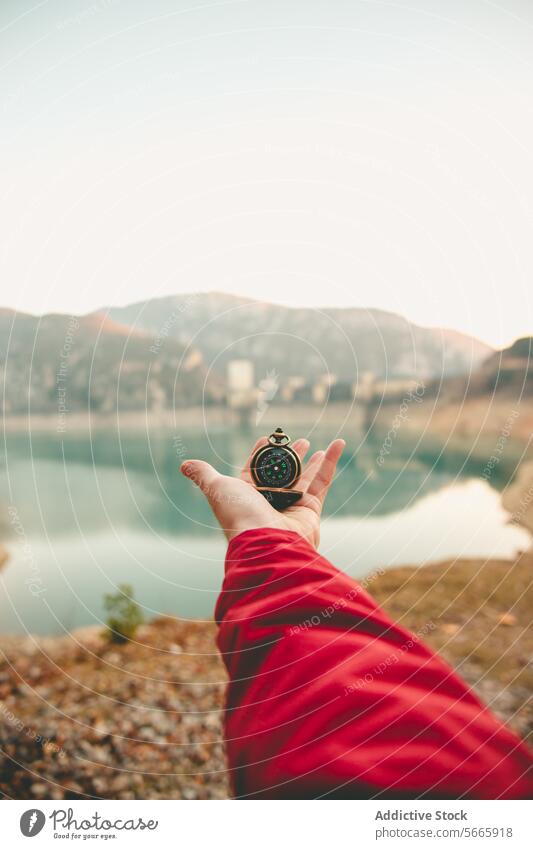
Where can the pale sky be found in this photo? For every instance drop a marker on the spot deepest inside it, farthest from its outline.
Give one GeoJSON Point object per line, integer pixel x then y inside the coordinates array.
{"type": "Point", "coordinates": [315, 152]}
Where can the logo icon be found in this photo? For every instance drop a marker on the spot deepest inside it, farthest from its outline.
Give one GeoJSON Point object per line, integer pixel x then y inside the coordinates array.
{"type": "Point", "coordinates": [32, 822]}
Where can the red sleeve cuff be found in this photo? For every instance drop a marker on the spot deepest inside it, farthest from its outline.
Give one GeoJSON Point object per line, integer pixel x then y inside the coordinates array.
{"type": "Point", "coordinates": [252, 545]}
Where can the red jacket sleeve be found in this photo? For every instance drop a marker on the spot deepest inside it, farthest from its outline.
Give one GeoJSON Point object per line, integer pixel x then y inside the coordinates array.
{"type": "Point", "coordinates": [329, 697]}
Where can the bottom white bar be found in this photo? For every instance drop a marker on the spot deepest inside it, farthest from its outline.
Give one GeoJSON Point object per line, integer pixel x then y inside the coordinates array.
{"type": "Point", "coordinates": [264, 824]}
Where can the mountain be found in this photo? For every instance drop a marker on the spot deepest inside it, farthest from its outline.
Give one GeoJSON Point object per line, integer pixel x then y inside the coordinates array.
{"type": "Point", "coordinates": [59, 363]}
{"type": "Point", "coordinates": [173, 352]}
{"type": "Point", "coordinates": [510, 370]}
{"type": "Point", "coordinates": [304, 342]}
{"type": "Point", "coordinates": [485, 414]}
{"type": "Point", "coordinates": [507, 374]}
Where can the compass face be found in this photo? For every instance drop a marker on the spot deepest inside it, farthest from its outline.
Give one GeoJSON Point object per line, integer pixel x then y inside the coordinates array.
{"type": "Point", "coordinates": [275, 466]}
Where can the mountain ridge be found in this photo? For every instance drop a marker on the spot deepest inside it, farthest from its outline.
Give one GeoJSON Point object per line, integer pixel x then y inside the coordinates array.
{"type": "Point", "coordinates": [378, 311]}
{"type": "Point", "coordinates": [223, 326]}
{"type": "Point", "coordinates": [173, 351]}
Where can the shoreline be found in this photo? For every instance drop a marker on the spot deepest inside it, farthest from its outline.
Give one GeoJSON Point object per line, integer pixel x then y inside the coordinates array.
{"type": "Point", "coordinates": [517, 498]}
{"type": "Point", "coordinates": [471, 427]}
{"type": "Point", "coordinates": [468, 418]}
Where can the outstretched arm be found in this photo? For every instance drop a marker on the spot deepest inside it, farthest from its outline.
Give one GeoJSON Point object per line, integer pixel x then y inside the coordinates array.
{"type": "Point", "coordinates": [327, 696]}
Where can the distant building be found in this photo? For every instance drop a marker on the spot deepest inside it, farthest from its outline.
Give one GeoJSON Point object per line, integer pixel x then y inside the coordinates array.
{"type": "Point", "coordinates": [240, 384]}
{"type": "Point", "coordinates": [304, 394]}
{"type": "Point", "coordinates": [394, 388]}
{"type": "Point", "coordinates": [322, 388]}
{"type": "Point", "coordinates": [341, 391]}
{"type": "Point", "coordinates": [364, 387]}
{"type": "Point", "coordinates": [291, 387]}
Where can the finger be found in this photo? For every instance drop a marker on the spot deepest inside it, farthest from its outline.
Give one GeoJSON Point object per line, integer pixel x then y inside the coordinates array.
{"type": "Point", "coordinates": [301, 447]}
{"type": "Point", "coordinates": [202, 474]}
{"type": "Point", "coordinates": [245, 474]}
{"type": "Point", "coordinates": [324, 475]}
{"type": "Point", "coordinates": [311, 467]}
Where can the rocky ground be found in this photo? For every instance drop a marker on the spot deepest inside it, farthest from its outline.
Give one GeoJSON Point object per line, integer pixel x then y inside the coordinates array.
{"type": "Point", "coordinates": [81, 717]}
{"type": "Point", "coordinates": [482, 612]}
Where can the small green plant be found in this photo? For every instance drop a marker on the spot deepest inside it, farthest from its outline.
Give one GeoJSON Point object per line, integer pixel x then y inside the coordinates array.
{"type": "Point", "coordinates": [125, 615]}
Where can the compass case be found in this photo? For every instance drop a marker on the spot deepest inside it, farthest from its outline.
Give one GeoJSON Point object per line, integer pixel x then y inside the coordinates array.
{"type": "Point", "coordinates": [275, 468]}
{"type": "Point", "coordinates": [280, 498]}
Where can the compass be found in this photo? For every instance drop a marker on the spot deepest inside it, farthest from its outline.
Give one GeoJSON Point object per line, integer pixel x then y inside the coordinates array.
{"type": "Point", "coordinates": [275, 469]}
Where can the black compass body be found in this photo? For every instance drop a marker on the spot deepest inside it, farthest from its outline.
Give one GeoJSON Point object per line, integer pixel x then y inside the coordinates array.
{"type": "Point", "coordinates": [275, 469]}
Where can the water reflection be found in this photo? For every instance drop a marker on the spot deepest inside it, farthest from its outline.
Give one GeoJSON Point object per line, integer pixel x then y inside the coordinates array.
{"type": "Point", "coordinates": [90, 515]}
{"type": "Point", "coordinates": [59, 485]}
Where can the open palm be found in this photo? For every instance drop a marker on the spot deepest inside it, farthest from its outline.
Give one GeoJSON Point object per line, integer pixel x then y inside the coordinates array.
{"type": "Point", "coordinates": [238, 506]}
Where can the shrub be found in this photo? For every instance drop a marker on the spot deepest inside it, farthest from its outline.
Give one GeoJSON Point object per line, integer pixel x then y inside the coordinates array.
{"type": "Point", "coordinates": [125, 615]}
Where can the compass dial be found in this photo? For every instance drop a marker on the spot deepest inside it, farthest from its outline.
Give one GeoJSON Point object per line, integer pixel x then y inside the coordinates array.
{"type": "Point", "coordinates": [276, 467]}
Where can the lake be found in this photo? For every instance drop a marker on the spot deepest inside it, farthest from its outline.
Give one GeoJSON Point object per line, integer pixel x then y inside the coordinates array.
{"type": "Point", "coordinates": [80, 516]}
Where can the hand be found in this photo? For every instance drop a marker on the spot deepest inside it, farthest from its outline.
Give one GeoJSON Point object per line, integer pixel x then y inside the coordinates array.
{"type": "Point", "coordinates": [238, 506]}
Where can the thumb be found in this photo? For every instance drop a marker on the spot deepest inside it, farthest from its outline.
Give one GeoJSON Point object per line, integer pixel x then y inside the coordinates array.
{"type": "Point", "coordinates": [200, 473]}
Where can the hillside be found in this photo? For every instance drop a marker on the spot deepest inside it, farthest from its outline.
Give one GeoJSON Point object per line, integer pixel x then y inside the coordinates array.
{"type": "Point", "coordinates": [58, 364]}
{"type": "Point", "coordinates": [487, 413]}
{"type": "Point", "coordinates": [172, 352]}
{"type": "Point", "coordinates": [305, 342]}
{"type": "Point", "coordinates": [508, 373]}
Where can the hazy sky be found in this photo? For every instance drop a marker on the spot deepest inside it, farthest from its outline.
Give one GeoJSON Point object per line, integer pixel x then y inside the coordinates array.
{"type": "Point", "coordinates": [303, 151]}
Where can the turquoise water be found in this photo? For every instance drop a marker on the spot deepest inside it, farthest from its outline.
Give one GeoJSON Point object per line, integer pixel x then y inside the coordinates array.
{"type": "Point", "coordinates": [80, 516]}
